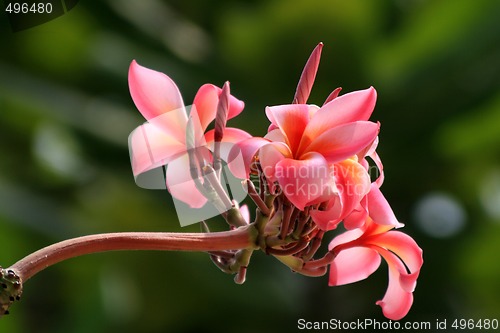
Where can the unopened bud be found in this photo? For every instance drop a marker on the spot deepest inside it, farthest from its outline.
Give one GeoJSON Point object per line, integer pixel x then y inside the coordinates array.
{"type": "Point", "coordinates": [307, 77]}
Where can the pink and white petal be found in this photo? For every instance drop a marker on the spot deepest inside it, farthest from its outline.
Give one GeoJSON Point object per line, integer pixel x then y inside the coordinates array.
{"type": "Point", "coordinates": [244, 152]}
{"type": "Point", "coordinates": [356, 219]}
{"type": "Point", "coordinates": [378, 162]}
{"type": "Point", "coordinates": [365, 164]}
{"type": "Point", "coordinates": [269, 156]}
{"type": "Point", "coordinates": [343, 241]}
{"type": "Point", "coordinates": [352, 265]}
{"type": "Point", "coordinates": [172, 123]}
{"type": "Point", "coordinates": [403, 246]}
{"type": "Point", "coordinates": [235, 107]}
{"type": "Point", "coordinates": [231, 135]}
{"type": "Point", "coordinates": [181, 184]}
{"type": "Point", "coordinates": [303, 180]}
{"type": "Point", "coordinates": [331, 190]}
{"type": "Point", "coordinates": [371, 228]}
{"type": "Point", "coordinates": [371, 153]}
{"type": "Point", "coordinates": [197, 132]}
{"type": "Point", "coordinates": [330, 218]}
{"type": "Point", "coordinates": [353, 183]}
{"type": "Point", "coordinates": [343, 141]}
{"type": "Point", "coordinates": [312, 110]}
{"type": "Point", "coordinates": [397, 300]}
{"type": "Point", "coordinates": [409, 281]}
{"type": "Point", "coordinates": [354, 106]}
{"type": "Point", "coordinates": [291, 119]}
{"type": "Point", "coordinates": [206, 101]}
{"type": "Point", "coordinates": [370, 149]}
{"type": "Point", "coordinates": [272, 127]}
{"type": "Point", "coordinates": [330, 194]}
{"type": "Point", "coordinates": [275, 135]}
{"type": "Point", "coordinates": [154, 93]}
{"type": "Point", "coordinates": [379, 209]}
{"type": "Point", "coordinates": [150, 147]}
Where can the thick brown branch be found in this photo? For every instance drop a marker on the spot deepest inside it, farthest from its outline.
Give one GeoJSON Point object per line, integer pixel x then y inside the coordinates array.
{"type": "Point", "coordinates": [240, 238]}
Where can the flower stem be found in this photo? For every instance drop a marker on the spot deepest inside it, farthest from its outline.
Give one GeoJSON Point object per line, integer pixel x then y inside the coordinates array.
{"type": "Point", "coordinates": [241, 238]}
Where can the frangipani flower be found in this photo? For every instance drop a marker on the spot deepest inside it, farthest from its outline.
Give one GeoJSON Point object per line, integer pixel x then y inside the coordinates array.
{"type": "Point", "coordinates": [358, 254]}
{"type": "Point", "coordinates": [312, 172]}
{"type": "Point", "coordinates": [162, 140]}
{"type": "Point", "coordinates": [305, 143]}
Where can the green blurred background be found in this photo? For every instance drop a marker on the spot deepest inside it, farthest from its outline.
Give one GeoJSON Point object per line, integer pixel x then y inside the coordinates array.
{"type": "Point", "coordinates": [65, 115]}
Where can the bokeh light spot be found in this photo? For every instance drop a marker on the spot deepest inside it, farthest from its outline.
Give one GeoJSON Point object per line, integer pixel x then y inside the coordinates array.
{"type": "Point", "coordinates": [439, 215]}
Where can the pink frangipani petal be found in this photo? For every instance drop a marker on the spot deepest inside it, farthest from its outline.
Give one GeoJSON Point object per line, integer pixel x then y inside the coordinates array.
{"type": "Point", "coordinates": [379, 209]}
{"type": "Point", "coordinates": [245, 150]}
{"type": "Point", "coordinates": [181, 184]}
{"type": "Point", "coordinates": [354, 106]}
{"type": "Point", "coordinates": [343, 141]}
{"type": "Point", "coordinates": [206, 101]}
{"type": "Point", "coordinates": [397, 301]}
{"type": "Point", "coordinates": [154, 93]}
{"type": "Point", "coordinates": [302, 180]}
{"type": "Point", "coordinates": [403, 246]}
{"type": "Point", "coordinates": [352, 265]}
{"type": "Point", "coordinates": [150, 147]}
{"type": "Point", "coordinates": [291, 119]}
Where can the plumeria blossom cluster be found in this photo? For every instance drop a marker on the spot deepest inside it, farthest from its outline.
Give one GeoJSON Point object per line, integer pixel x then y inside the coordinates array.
{"type": "Point", "coordinates": [307, 175]}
